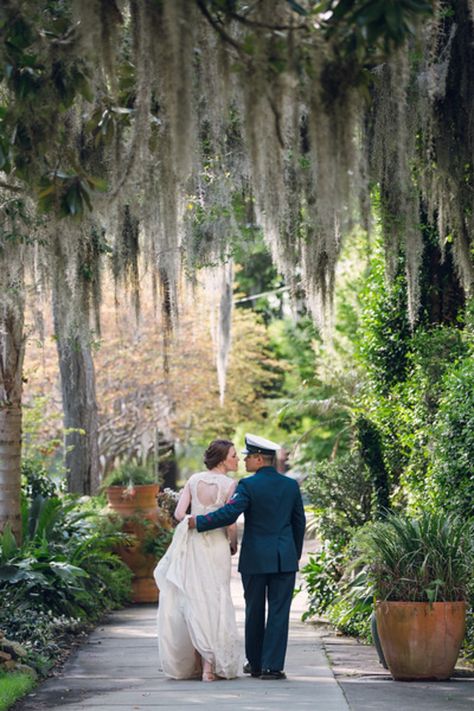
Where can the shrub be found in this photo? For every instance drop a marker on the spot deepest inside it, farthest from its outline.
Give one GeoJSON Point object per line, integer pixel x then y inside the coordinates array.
{"type": "Point", "coordinates": [321, 575]}
{"type": "Point", "coordinates": [36, 480]}
{"type": "Point", "coordinates": [157, 542]}
{"type": "Point", "coordinates": [424, 559]}
{"type": "Point", "coordinates": [341, 493]}
{"type": "Point", "coordinates": [452, 469]}
{"type": "Point", "coordinates": [43, 634]}
{"type": "Point", "coordinates": [351, 620]}
{"type": "Point", "coordinates": [65, 560]}
{"type": "Point", "coordinates": [385, 332]}
{"type": "Point", "coordinates": [468, 644]}
{"type": "Point", "coordinates": [64, 575]}
{"type": "Point", "coordinates": [346, 602]}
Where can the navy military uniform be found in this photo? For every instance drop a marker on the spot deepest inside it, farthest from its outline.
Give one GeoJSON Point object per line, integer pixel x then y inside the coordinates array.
{"type": "Point", "coordinates": [271, 547]}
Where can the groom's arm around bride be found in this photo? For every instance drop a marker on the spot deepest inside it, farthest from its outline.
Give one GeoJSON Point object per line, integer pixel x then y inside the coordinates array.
{"type": "Point", "coordinates": [271, 547]}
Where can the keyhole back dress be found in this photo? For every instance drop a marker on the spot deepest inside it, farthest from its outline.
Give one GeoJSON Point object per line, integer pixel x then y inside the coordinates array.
{"type": "Point", "coordinates": [195, 610]}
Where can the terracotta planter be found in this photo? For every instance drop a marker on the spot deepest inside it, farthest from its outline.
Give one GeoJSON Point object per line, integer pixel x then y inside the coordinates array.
{"type": "Point", "coordinates": [127, 501]}
{"type": "Point", "coordinates": [137, 503]}
{"type": "Point", "coordinates": [421, 640]}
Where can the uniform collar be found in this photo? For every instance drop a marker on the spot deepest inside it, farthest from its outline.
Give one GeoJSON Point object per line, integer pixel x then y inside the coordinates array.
{"type": "Point", "coordinates": [266, 470]}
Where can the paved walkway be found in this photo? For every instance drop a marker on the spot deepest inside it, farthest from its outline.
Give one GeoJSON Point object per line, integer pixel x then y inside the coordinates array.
{"type": "Point", "coordinates": [117, 670]}
{"type": "Point", "coordinates": [369, 687]}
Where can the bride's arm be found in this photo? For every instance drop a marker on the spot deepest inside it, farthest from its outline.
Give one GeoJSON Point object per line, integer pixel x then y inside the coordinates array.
{"type": "Point", "coordinates": [183, 503]}
{"type": "Point", "coordinates": [232, 529]}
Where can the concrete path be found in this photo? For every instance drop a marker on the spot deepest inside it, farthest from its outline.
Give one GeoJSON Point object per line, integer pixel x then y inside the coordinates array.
{"type": "Point", "coordinates": [117, 670]}
{"type": "Point", "coordinates": [369, 687]}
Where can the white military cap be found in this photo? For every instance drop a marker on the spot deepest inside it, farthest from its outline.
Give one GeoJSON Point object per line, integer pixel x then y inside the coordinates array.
{"type": "Point", "coordinates": [259, 445]}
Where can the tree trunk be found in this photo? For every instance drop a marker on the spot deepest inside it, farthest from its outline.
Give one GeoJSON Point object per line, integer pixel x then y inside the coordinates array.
{"type": "Point", "coordinates": [165, 462]}
{"type": "Point", "coordinates": [12, 349]}
{"type": "Point", "coordinates": [78, 392]}
{"type": "Point", "coordinates": [80, 414]}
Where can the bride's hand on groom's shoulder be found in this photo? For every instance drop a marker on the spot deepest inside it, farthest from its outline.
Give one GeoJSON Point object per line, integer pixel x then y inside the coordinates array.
{"type": "Point", "coordinates": [191, 522]}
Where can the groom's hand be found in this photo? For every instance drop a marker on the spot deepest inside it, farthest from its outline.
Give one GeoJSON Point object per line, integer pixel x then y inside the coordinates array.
{"type": "Point", "coordinates": [191, 522]}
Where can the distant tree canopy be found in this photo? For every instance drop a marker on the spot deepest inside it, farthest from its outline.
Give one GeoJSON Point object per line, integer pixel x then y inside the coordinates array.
{"type": "Point", "coordinates": [145, 386]}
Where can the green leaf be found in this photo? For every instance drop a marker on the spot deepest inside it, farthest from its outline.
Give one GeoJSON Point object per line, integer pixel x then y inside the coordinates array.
{"type": "Point", "coordinates": [8, 544]}
{"type": "Point", "coordinates": [66, 571]}
{"type": "Point", "coordinates": [48, 190]}
{"type": "Point", "coordinates": [8, 572]}
{"type": "Point", "coordinates": [72, 201]}
{"type": "Point", "coordinates": [98, 184]}
{"type": "Point", "coordinates": [85, 197]}
{"type": "Point", "coordinates": [297, 8]}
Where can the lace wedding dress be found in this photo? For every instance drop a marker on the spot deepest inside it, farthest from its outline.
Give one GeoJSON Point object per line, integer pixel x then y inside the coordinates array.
{"type": "Point", "coordinates": [195, 610]}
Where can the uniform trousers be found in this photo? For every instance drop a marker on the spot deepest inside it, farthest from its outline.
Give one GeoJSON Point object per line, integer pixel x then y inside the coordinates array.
{"type": "Point", "coordinates": [266, 639]}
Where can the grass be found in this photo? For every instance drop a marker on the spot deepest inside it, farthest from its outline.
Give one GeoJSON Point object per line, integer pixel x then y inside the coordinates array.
{"type": "Point", "coordinates": [13, 686]}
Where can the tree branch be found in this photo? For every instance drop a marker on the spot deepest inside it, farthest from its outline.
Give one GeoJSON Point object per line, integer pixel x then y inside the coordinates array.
{"type": "Point", "coordinates": [262, 25]}
{"type": "Point", "coordinates": [12, 188]}
{"type": "Point", "coordinates": [277, 116]}
{"type": "Point", "coordinates": [217, 26]}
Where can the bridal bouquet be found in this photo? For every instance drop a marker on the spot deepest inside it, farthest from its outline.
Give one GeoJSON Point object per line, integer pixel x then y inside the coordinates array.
{"type": "Point", "coordinates": [167, 501]}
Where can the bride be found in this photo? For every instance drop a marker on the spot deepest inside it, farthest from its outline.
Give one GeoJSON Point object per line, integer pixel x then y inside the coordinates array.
{"type": "Point", "coordinates": [197, 633]}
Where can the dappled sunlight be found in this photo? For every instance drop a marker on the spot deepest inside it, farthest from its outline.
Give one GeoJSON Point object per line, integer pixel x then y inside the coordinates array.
{"type": "Point", "coordinates": [123, 631]}
{"type": "Point", "coordinates": [253, 221]}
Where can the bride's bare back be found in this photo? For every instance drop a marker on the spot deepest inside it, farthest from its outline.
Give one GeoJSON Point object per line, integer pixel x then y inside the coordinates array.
{"type": "Point", "coordinates": [205, 492]}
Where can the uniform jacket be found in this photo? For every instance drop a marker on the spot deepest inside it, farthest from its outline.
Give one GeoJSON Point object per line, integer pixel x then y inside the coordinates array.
{"type": "Point", "coordinates": [274, 522]}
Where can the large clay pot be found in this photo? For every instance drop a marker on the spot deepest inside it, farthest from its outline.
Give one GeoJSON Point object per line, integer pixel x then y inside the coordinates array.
{"type": "Point", "coordinates": [136, 504]}
{"type": "Point", "coordinates": [127, 501]}
{"type": "Point", "coordinates": [421, 640]}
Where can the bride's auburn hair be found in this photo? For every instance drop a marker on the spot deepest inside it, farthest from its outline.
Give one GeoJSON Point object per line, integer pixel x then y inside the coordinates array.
{"type": "Point", "coordinates": [217, 452]}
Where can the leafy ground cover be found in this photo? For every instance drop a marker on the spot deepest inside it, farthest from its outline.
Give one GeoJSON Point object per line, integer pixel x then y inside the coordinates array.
{"type": "Point", "coordinates": [63, 577]}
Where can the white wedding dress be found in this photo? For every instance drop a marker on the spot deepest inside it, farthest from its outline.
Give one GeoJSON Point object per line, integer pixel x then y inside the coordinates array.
{"type": "Point", "coordinates": [195, 610]}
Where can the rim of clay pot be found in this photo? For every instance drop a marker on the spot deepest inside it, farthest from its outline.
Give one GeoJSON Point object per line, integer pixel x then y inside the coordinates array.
{"type": "Point", "coordinates": [418, 602]}
{"type": "Point", "coordinates": [128, 486]}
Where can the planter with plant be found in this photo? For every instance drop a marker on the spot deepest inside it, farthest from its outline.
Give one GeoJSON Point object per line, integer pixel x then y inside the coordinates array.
{"type": "Point", "coordinates": [131, 487]}
{"type": "Point", "coordinates": [132, 492]}
{"type": "Point", "coordinates": [420, 569]}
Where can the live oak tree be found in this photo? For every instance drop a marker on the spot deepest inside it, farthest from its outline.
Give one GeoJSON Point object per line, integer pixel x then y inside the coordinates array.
{"type": "Point", "coordinates": [145, 112]}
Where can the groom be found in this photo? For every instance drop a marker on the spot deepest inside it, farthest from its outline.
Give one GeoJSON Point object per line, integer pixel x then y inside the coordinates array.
{"type": "Point", "coordinates": [271, 548]}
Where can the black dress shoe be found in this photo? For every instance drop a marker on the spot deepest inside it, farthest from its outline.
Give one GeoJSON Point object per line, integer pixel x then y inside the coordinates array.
{"type": "Point", "coordinates": [269, 674]}
{"type": "Point", "coordinates": [248, 670]}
